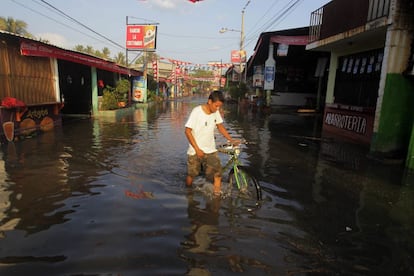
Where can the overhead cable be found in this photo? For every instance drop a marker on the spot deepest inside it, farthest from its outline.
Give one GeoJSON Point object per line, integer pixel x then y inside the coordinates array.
{"type": "Point", "coordinates": [83, 25]}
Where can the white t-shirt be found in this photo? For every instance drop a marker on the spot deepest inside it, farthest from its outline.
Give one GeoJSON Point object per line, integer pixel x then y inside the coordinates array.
{"type": "Point", "coordinates": [202, 127]}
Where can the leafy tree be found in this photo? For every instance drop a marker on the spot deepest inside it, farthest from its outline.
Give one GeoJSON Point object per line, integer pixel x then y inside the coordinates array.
{"type": "Point", "coordinates": [106, 54]}
{"type": "Point", "coordinates": [79, 48]}
{"type": "Point", "coordinates": [112, 96]}
{"type": "Point", "coordinates": [201, 85]}
{"type": "Point", "coordinates": [90, 50]}
{"type": "Point", "coordinates": [238, 90]}
{"type": "Point", "coordinates": [120, 59]}
{"type": "Point", "coordinates": [44, 40]}
{"type": "Point", "coordinates": [199, 73]}
{"type": "Point", "coordinates": [146, 56]}
{"type": "Point", "coordinates": [11, 25]}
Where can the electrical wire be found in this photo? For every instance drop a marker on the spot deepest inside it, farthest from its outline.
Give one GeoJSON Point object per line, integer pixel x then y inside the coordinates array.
{"type": "Point", "coordinates": [264, 15]}
{"type": "Point", "coordinates": [250, 38]}
{"type": "Point", "coordinates": [284, 12]}
{"type": "Point", "coordinates": [54, 20]}
{"type": "Point", "coordinates": [83, 25]}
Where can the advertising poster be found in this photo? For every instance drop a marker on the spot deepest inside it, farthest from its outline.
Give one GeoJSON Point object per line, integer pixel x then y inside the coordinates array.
{"type": "Point", "coordinates": [235, 56]}
{"type": "Point", "coordinates": [223, 82]}
{"type": "Point", "coordinates": [238, 56]}
{"type": "Point", "coordinates": [269, 83]}
{"type": "Point", "coordinates": [235, 76]}
{"type": "Point", "coordinates": [139, 89]}
{"type": "Point", "coordinates": [258, 77]}
{"type": "Point", "coordinates": [282, 50]}
{"type": "Point", "coordinates": [270, 70]}
{"type": "Point", "coordinates": [141, 37]}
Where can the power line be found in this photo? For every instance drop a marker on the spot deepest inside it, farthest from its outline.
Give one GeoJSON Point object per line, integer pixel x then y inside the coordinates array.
{"type": "Point", "coordinates": [54, 20]}
{"type": "Point", "coordinates": [83, 25]}
{"type": "Point", "coordinates": [264, 15]}
{"type": "Point", "coordinates": [285, 12]}
{"type": "Point", "coordinates": [281, 15]}
{"type": "Point", "coordinates": [192, 36]}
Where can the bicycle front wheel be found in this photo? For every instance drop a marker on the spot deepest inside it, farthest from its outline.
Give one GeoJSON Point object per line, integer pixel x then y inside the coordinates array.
{"type": "Point", "coordinates": [246, 184]}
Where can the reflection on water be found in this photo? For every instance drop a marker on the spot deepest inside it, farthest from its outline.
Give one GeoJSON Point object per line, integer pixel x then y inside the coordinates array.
{"type": "Point", "coordinates": [106, 196]}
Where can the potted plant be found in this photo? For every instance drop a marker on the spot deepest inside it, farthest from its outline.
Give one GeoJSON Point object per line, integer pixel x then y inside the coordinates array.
{"type": "Point", "coordinates": [121, 91]}
{"type": "Point", "coordinates": [109, 101]}
{"type": "Point", "coordinates": [116, 97]}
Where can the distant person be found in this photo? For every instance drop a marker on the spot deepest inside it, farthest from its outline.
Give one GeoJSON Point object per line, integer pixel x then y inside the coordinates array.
{"type": "Point", "coordinates": [202, 152]}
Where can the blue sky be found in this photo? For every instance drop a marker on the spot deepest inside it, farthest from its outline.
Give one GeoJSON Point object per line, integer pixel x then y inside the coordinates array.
{"type": "Point", "coordinates": [186, 31]}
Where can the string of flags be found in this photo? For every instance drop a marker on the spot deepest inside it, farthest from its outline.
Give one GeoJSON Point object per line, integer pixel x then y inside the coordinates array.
{"type": "Point", "coordinates": [193, 66]}
{"type": "Point", "coordinates": [183, 67]}
{"type": "Point", "coordinates": [180, 73]}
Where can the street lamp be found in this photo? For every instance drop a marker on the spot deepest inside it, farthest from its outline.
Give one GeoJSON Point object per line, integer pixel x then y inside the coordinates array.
{"type": "Point", "coordinates": [223, 30]}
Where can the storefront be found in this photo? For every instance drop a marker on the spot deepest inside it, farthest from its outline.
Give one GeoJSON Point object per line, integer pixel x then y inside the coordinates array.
{"type": "Point", "coordinates": [299, 75]}
{"type": "Point", "coordinates": [369, 95]}
{"type": "Point", "coordinates": [39, 82]}
{"type": "Point", "coordinates": [352, 113]}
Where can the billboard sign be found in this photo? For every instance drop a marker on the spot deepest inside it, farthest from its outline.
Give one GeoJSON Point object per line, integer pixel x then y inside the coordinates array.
{"type": "Point", "coordinates": [235, 56]}
{"type": "Point", "coordinates": [139, 88]}
{"type": "Point", "coordinates": [258, 76]}
{"type": "Point", "coordinates": [238, 56]}
{"type": "Point", "coordinates": [141, 37]}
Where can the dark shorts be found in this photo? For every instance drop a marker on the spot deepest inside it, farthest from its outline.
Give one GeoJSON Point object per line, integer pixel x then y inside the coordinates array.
{"type": "Point", "coordinates": [211, 165]}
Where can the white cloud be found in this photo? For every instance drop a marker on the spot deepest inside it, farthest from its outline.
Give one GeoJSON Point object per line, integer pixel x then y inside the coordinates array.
{"type": "Point", "coordinates": [55, 39]}
{"type": "Point", "coordinates": [166, 4]}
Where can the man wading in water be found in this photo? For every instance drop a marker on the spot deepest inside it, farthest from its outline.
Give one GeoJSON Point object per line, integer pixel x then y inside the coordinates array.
{"type": "Point", "coordinates": [202, 152]}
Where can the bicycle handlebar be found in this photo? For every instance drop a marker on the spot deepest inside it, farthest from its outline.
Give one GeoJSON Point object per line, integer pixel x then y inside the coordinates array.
{"type": "Point", "coordinates": [230, 148]}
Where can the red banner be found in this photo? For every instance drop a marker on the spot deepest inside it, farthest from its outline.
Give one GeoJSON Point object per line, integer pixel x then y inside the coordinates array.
{"type": "Point", "coordinates": [290, 40]}
{"type": "Point", "coordinates": [40, 50]}
{"type": "Point", "coordinates": [235, 56]}
{"type": "Point", "coordinates": [238, 56]}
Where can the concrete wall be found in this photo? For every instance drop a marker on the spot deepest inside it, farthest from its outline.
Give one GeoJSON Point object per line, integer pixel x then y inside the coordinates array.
{"type": "Point", "coordinates": [394, 113]}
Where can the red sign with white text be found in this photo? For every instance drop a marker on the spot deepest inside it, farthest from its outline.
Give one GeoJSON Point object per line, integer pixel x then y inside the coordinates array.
{"type": "Point", "coordinates": [238, 56]}
{"type": "Point", "coordinates": [141, 37]}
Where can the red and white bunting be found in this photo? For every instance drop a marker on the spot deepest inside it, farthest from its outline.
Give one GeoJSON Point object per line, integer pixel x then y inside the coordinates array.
{"type": "Point", "coordinates": [155, 69]}
{"type": "Point", "coordinates": [190, 65]}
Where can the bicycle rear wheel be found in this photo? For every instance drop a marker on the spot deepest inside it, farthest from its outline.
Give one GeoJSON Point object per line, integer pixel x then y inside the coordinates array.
{"type": "Point", "coordinates": [246, 184]}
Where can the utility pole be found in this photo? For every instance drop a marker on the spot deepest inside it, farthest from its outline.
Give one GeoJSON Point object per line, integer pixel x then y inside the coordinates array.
{"type": "Point", "coordinates": [242, 51]}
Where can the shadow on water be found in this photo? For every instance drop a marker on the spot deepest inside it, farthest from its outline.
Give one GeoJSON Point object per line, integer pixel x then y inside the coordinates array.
{"type": "Point", "coordinates": [106, 196]}
{"type": "Point", "coordinates": [359, 212]}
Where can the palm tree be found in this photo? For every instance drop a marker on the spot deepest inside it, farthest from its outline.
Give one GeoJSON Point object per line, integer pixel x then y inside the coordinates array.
{"type": "Point", "coordinates": [146, 57]}
{"type": "Point", "coordinates": [11, 25]}
{"type": "Point", "coordinates": [106, 53]}
{"type": "Point", "coordinates": [120, 58]}
{"type": "Point", "coordinates": [79, 48]}
{"type": "Point", "coordinates": [89, 50]}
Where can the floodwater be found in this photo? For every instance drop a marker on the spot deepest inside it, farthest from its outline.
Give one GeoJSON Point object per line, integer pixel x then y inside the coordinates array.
{"type": "Point", "coordinates": [106, 196]}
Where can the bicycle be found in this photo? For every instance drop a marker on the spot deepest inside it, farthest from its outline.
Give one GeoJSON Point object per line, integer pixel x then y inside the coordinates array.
{"type": "Point", "coordinates": [238, 176]}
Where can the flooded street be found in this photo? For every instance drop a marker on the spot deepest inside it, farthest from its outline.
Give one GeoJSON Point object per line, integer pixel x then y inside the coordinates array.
{"type": "Point", "coordinates": [106, 196]}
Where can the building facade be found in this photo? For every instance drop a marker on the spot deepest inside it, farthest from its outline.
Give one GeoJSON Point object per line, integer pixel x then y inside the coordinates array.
{"type": "Point", "coordinates": [294, 77]}
{"type": "Point", "coordinates": [39, 82]}
{"type": "Point", "coordinates": [370, 89]}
